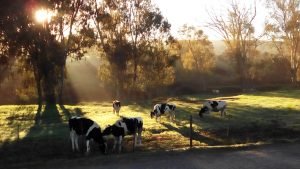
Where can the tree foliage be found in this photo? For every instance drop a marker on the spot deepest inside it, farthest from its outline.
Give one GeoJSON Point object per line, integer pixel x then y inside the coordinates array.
{"type": "Point", "coordinates": [134, 38]}
{"type": "Point", "coordinates": [282, 28]}
{"type": "Point", "coordinates": [199, 56]}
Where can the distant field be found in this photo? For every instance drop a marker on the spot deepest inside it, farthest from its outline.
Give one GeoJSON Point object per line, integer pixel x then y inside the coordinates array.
{"type": "Point", "coordinates": [261, 116]}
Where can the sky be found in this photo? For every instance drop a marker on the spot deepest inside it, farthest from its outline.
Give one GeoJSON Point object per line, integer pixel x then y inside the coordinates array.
{"type": "Point", "coordinates": [194, 12]}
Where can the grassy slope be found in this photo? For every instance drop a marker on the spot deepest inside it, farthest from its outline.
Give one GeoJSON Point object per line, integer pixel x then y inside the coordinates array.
{"type": "Point", "coordinates": [251, 117]}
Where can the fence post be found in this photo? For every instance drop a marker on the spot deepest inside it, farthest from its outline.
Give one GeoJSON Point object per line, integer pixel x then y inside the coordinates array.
{"type": "Point", "coordinates": [191, 131]}
{"type": "Point", "coordinates": [18, 132]}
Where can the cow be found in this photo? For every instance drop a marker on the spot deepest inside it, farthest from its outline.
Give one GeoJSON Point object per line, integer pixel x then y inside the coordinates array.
{"type": "Point", "coordinates": [116, 107]}
{"type": "Point", "coordinates": [80, 126]}
{"type": "Point", "coordinates": [215, 106]}
{"type": "Point", "coordinates": [125, 126]}
{"type": "Point", "coordinates": [163, 108]}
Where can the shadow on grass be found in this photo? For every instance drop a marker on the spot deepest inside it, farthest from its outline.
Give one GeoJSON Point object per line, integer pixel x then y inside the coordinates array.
{"type": "Point", "coordinates": [185, 132]}
{"type": "Point", "coordinates": [47, 138]}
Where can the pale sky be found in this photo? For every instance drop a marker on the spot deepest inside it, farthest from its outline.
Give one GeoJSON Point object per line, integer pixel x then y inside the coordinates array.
{"type": "Point", "coordinates": [194, 12]}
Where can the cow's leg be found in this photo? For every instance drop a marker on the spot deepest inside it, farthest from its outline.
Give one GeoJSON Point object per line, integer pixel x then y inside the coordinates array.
{"type": "Point", "coordinates": [120, 143]}
{"type": "Point", "coordinates": [115, 143]}
{"type": "Point", "coordinates": [134, 137]}
{"type": "Point", "coordinates": [140, 136]}
{"type": "Point", "coordinates": [76, 138]}
{"type": "Point", "coordinates": [173, 115]}
{"type": "Point", "coordinates": [88, 146]}
{"type": "Point", "coordinates": [72, 137]}
{"type": "Point", "coordinates": [222, 113]}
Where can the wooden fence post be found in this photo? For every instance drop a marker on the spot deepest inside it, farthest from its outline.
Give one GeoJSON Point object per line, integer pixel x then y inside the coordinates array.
{"type": "Point", "coordinates": [18, 132]}
{"type": "Point", "coordinates": [191, 131]}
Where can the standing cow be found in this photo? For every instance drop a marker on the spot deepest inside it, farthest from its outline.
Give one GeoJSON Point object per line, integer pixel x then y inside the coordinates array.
{"type": "Point", "coordinates": [215, 106]}
{"type": "Point", "coordinates": [125, 126]}
{"type": "Point", "coordinates": [116, 106]}
{"type": "Point", "coordinates": [80, 126]}
{"type": "Point", "coordinates": [163, 108]}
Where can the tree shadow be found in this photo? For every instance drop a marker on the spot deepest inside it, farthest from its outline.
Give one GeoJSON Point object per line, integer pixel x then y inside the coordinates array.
{"type": "Point", "coordinates": [185, 132]}
{"type": "Point", "coordinates": [47, 136]}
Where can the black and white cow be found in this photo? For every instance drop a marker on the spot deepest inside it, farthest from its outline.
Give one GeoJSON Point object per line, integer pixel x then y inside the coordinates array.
{"type": "Point", "coordinates": [116, 106]}
{"type": "Point", "coordinates": [163, 108]}
{"type": "Point", "coordinates": [215, 106]}
{"type": "Point", "coordinates": [125, 126]}
{"type": "Point", "coordinates": [80, 126]}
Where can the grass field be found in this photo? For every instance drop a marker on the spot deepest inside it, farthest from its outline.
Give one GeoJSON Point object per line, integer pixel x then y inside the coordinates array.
{"type": "Point", "coordinates": [255, 117]}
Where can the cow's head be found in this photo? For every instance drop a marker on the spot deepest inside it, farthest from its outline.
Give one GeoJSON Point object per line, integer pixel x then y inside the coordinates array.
{"type": "Point", "coordinates": [202, 110]}
{"type": "Point", "coordinates": [103, 147]}
{"type": "Point", "coordinates": [152, 114]}
{"type": "Point", "coordinates": [108, 130]}
{"type": "Point", "coordinates": [99, 138]}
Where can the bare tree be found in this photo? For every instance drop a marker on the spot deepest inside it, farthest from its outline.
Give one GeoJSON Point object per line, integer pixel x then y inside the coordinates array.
{"type": "Point", "coordinates": [283, 28]}
{"type": "Point", "coordinates": [236, 29]}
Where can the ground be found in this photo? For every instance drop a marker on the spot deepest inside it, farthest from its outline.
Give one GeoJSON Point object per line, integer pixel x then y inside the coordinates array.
{"type": "Point", "coordinates": [30, 136]}
{"type": "Point", "coordinates": [278, 156]}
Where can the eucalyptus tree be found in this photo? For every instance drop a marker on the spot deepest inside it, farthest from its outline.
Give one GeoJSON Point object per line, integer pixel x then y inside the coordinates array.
{"type": "Point", "coordinates": [45, 46]}
{"type": "Point", "coordinates": [134, 36]}
{"type": "Point", "coordinates": [283, 28]}
{"type": "Point", "coordinates": [199, 56]}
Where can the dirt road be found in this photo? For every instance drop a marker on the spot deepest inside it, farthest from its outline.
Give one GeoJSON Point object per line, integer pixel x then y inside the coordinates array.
{"type": "Point", "coordinates": [279, 156]}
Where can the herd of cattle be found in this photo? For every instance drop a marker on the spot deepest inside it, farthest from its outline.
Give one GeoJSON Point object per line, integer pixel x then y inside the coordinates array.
{"type": "Point", "coordinates": [80, 126]}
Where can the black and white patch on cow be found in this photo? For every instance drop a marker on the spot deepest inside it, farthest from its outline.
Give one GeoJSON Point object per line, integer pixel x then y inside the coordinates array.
{"type": "Point", "coordinates": [163, 108]}
{"type": "Point", "coordinates": [116, 107]}
{"type": "Point", "coordinates": [125, 126]}
{"type": "Point", "coordinates": [215, 106]}
{"type": "Point", "coordinates": [80, 126]}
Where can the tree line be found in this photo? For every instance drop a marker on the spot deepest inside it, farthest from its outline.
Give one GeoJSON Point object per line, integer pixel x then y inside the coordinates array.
{"type": "Point", "coordinates": [138, 53]}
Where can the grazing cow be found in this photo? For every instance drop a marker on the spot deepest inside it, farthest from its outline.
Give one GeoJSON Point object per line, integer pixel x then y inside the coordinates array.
{"type": "Point", "coordinates": [215, 106]}
{"type": "Point", "coordinates": [116, 107]}
{"type": "Point", "coordinates": [125, 126]}
{"type": "Point", "coordinates": [80, 126]}
{"type": "Point", "coordinates": [163, 108]}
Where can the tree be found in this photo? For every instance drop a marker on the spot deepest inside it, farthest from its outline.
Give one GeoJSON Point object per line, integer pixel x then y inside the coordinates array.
{"type": "Point", "coordinates": [237, 32]}
{"type": "Point", "coordinates": [129, 33]}
{"type": "Point", "coordinates": [200, 54]}
{"type": "Point", "coordinates": [45, 46]}
{"type": "Point", "coordinates": [283, 28]}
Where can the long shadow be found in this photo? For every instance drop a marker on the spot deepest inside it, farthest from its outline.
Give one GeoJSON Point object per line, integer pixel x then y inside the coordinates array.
{"type": "Point", "coordinates": [47, 138]}
{"type": "Point", "coordinates": [185, 132]}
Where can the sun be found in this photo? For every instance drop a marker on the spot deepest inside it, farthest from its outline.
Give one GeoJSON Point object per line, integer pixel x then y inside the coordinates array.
{"type": "Point", "coordinates": [43, 15]}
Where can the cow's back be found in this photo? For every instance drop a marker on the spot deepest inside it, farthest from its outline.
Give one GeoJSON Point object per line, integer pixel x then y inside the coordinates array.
{"type": "Point", "coordinates": [80, 125]}
{"type": "Point", "coordinates": [215, 105]}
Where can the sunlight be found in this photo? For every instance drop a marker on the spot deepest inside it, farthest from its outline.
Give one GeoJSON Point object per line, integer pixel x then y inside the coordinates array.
{"type": "Point", "coordinates": [43, 15]}
{"type": "Point", "coordinates": [82, 76]}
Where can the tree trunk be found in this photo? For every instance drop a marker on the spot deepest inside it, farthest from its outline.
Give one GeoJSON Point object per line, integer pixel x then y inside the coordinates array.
{"type": "Point", "coordinates": [40, 95]}
{"type": "Point", "coordinates": [61, 85]}
{"type": "Point", "coordinates": [293, 76]}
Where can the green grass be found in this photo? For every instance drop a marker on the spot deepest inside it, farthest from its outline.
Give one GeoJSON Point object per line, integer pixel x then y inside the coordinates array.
{"type": "Point", "coordinates": [255, 117]}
